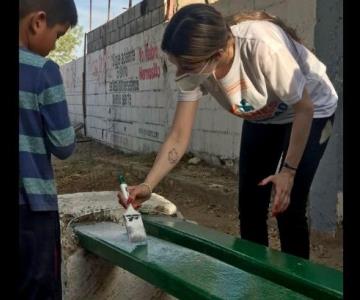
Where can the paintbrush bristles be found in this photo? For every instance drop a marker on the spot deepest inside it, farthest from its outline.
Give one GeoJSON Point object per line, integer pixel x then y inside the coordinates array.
{"type": "Point", "coordinates": [134, 225]}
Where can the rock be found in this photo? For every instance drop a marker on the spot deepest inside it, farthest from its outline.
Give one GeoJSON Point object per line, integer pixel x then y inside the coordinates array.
{"type": "Point", "coordinates": [215, 186]}
{"type": "Point", "coordinates": [158, 205]}
{"type": "Point", "coordinates": [229, 163]}
{"type": "Point", "coordinates": [194, 161]}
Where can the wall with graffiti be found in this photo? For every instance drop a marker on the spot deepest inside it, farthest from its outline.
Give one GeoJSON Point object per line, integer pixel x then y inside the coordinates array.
{"type": "Point", "coordinates": [131, 99]}
{"type": "Point", "coordinates": [130, 89]}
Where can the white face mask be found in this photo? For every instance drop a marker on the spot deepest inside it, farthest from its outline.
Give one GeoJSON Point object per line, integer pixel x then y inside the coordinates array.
{"type": "Point", "coordinates": [190, 81]}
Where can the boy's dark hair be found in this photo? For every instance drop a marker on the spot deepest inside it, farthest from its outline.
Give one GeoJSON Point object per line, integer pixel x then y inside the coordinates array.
{"type": "Point", "coordinates": [57, 11]}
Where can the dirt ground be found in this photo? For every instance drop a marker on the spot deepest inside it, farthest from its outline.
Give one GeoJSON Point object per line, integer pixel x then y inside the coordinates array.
{"type": "Point", "coordinates": [203, 193]}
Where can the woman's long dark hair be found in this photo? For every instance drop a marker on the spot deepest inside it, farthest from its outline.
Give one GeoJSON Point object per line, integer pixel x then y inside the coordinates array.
{"type": "Point", "coordinates": [198, 31]}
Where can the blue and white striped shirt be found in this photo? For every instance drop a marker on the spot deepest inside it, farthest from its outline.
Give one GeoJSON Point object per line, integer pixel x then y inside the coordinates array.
{"type": "Point", "coordinates": [44, 129]}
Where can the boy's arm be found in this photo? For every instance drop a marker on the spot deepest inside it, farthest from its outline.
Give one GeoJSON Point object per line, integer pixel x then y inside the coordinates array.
{"type": "Point", "coordinates": [59, 134]}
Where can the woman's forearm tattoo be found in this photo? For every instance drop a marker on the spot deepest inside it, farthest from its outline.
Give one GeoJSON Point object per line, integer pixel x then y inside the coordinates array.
{"type": "Point", "coordinates": [173, 156]}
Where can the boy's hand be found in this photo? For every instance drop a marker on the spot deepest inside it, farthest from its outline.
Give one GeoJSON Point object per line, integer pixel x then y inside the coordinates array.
{"type": "Point", "coordinates": [137, 195]}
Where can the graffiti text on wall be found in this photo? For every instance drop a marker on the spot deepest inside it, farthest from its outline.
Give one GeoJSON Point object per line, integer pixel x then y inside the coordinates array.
{"type": "Point", "coordinates": [122, 99]}
{"type": "Point", "coordinates": [149, 73]}
{"type": "Point", "coordinates": [148, 132]}
{"type": "Point", "coordinates": [149, 53]}
{"type": "Point", "coordinates": [124, 85]}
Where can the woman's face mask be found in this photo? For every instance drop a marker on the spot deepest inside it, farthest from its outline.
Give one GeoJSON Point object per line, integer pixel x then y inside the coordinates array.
{"type": "Point", "coordinates": [190, 81]}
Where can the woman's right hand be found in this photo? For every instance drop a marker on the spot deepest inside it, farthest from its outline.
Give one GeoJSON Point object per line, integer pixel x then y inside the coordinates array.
{"type": "Point", "coordinates": [137, 195]}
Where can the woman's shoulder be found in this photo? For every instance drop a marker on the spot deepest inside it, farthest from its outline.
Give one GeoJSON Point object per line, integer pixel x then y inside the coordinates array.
{"type": "Point", "coordinates": [256, 32]}
{"type": "Point", "coordinates": [254, 29]}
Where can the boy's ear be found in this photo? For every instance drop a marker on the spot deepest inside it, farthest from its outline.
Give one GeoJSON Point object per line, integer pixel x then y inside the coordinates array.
{"type": "Point", "coordinates": [38, 22]}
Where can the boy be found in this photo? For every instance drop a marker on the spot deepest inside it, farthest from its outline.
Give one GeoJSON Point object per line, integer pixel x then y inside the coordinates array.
{"type": "Point", "coordinates": [44, 129]}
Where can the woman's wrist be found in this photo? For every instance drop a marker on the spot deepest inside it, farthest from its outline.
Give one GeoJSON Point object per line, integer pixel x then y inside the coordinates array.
{"type": "Point", "coordinates": [148, 186]}
{"type": "Point", "coordinates": [289, 169]}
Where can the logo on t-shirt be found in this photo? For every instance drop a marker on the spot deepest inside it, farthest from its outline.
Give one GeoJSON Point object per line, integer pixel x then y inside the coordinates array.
{"type": "Point", "coordinates": [245, 106]}
{"type": "Point", "coordinates": [269, 111]}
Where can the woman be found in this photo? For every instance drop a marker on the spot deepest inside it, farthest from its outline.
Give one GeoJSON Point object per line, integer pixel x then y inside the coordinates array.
{"type": "Point", "coordinates": [257, 70]}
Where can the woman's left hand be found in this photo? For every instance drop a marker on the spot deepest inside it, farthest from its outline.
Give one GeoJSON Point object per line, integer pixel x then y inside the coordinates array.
{"type": "Point", "coordinates": [282, 185]}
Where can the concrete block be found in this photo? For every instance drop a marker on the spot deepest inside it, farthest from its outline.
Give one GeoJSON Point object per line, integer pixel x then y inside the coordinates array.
{"type": "Point", "coordinates": [133, 27]}
{"type": "Point", "coordinates": [108, 37]}
{"type": "Point", "coordinates": [119, 20]}
{"type": "Point", "coordinates": [117, 34]}
{"type": "Point", "coordinates": [122, 32]}
{"type": "Point", "coordinates": [125, 17]}
{"type": "Point", "coordinates": [112, 37]}
{"type": "Point", "coordinates": [96, 45]}
{"type": "Point", "coordinates": [151, 4]}
{"type": "Point", "coordinates": [89, 37]}
{"type": "Point", "coordinates": [131, 12]}
{"type": "Point", "coordinates": [161, 14]}
{"type": "Point", "coordinates": [92, 47]}
{"type": "Point", "coordinates": [155, 17]}
{"type": "Point", "coordinates": [88, 48]}
{"type": "Point", "coordinates": [230, 7]}
{"type": "Point", "coordinates": [264, 4]}
{"type": "Point", "coordinates": [137, 9]}
{"type": "Point", "coordinates": [140, 24]}
{"type": "Point", "coordinates": [127, 30]}
{"type": "Point", "coordinates": [103, 30]}
{"type": "Point", "coordinates": [159, 3]}
{"type": "Point", "coordinates": [147, 22]}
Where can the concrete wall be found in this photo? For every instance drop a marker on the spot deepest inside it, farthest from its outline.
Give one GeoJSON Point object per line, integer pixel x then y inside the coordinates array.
{"type": "Point", "coordinates": [326, 194]}
{"type": "Point", "coordinates": [130, 89]}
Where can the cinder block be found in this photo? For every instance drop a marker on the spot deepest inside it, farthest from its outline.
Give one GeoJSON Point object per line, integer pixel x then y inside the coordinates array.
{"type": "Point", "coordinates": [155, 17]}
{"type": "Point", "coordinates": [103, 29]}
{"type": "Point", "coordinates": [147, 22]}
{"type": "Point", "coordinates": [125, 17]}
{"type": "Point", "coordinates": [117, 34]}
{"type": "Point", "coordinates": [133, 27]}
{"type": "Point", "coordinates": [108, 37]}
{"type": "Point", "coordinates": [137, 9]}
{"type": "Point", "coordinates": [122, 32]}
{"type": "Point", "coordinates": [264, 4]}
{"type": "Point", "coordinates": [159, 3]}
{"type": "Point", "coordinates": [127, 30]}
{"type": "Point", "coordinates": [131, 12]}
{"type": "Point", "coordinates": [88, 37]}
{"type": "Point", "coordinates": [119, 20]}
{"type": "Point", "coordinates": [112, 37]}
{"type": "Point", "coordinates": [140, 25]}
{"type": "Point", "coordinates": [151, 4]}
{"type": "Point", "coordinates": [161, 14]}
{"type": "Point", "coordinates": [108, 27]}
{"type": "Point", "coordinates": [231, 7]}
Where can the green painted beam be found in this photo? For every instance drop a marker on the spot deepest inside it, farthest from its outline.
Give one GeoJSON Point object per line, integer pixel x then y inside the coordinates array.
{"type": "Point", "coordinates": [313, 280]}
{"type": "Point", "coordinates": [181, 272]}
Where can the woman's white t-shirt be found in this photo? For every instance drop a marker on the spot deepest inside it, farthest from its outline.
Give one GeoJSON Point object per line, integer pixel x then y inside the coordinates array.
{"type": "Point", "coordinates": [267, 76]}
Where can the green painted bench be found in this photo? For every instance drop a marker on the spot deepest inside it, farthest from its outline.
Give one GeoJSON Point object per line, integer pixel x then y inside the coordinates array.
{"type": "Point", "coordinates": [179, 270]}
{"type": "Point", "coordinates": [300, 275]}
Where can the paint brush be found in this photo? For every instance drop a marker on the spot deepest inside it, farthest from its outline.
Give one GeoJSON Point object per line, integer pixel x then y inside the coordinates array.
{"type": "Point", "coordinates": [133, 221]}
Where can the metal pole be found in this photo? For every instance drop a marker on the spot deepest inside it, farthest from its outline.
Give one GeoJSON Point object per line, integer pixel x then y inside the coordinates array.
{"type": "Point", "coordinates": [84, 84]}
{"type": "Point", "coordinates": [130, 3]}
{"type": "Point", "coordinates": [108, 10]}
{"type": "Point", "coordinates": [90, 13]}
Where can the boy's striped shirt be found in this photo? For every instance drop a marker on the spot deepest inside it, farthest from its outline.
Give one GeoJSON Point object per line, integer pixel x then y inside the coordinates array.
{"type": "Point", "coordinates": [44, 129]}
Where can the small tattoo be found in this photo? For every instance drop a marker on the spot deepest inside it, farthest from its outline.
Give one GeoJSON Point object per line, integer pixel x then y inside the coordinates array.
{"type": "Point", "coordinates": [173, 156]}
